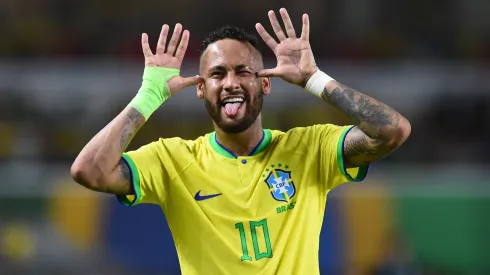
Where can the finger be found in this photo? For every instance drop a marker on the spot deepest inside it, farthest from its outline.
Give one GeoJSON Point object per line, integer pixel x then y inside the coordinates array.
{"type": "Point", "coordinates": [182, 45]}
{"type": "Point", "coordinates": [305, 33]}
{"type": "Point", "coordinates": [276, 26]}
{"type": "Point", "coordinates": [178, 83]}
{"type": "Point", "coordinates": [287, 23]}
{"type": "Point", "coordinates": [190, 81]}
{"type": "Point", "coordinates": [145, 46]}
{"type": "Point", "coordinates": [162, 41]}
{"type": "Point", "coordinates": [268, 73]}
{"type": "Point", "coordinates": [185, 82]}
{"type": "Point", "coordinates": [172, 45]}
{"type": "Point", "coordinates": [266, 36]}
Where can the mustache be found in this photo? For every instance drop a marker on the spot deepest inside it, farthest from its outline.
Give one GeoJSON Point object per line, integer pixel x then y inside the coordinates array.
{"type": "Point", "coordinates": [225, 95]}
{"type": "Point", "coordinates": [234, 93]}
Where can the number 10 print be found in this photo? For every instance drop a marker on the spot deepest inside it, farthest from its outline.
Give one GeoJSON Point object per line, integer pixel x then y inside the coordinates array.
{"type": "Point", "coordinates": [253, 230]}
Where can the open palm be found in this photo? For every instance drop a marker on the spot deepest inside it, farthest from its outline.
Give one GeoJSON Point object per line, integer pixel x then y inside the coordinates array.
{"type": "Point", "coordinates": [295, 61]}
{"type": "Point", "coordinates": [170, 56]}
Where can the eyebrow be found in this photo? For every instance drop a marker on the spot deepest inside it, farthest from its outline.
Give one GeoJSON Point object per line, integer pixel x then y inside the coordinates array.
{"type": "Point", "coordinates": [237, 67]}
{"type": "Point", "coordinates": [217, 68]}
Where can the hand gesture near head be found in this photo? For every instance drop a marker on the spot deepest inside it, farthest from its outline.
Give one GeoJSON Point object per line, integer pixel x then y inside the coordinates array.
{"type": "Point", "coordinates": [170, 56]}
{"type": "Point", "coordinates": [295, 61]}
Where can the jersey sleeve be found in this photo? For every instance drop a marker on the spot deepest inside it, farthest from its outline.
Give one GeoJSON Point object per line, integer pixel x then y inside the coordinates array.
{"type": "Point", "coordinates": [149, 174]}
{"type": "Point", "coordinates": [331, 155]}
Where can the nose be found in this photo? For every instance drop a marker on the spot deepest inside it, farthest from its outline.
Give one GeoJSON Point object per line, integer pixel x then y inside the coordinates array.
{"type": "Point", "coordinates": [231, 82]}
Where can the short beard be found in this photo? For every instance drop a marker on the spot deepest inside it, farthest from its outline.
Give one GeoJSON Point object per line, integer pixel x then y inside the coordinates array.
{"type": "Point", "coordinates": [251, 113]}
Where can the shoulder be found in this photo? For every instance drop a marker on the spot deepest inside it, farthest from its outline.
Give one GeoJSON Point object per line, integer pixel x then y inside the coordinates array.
{"type": "Point", "coordinates": [305, 133]}
{"type": "Point", "coordinates": [166, 146]}
{"type": "Point", "coordinates": [307, 136]}
{"type": "Point", "coordinates": [191, 146]}
{"type": "Point", "coordinates": [173, 152]}
{"type": "Point", "coordinates": [295, 139]}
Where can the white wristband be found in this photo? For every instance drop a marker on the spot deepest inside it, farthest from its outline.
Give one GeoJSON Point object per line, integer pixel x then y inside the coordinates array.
{"type": "Point", "coordinates": [317, 82]}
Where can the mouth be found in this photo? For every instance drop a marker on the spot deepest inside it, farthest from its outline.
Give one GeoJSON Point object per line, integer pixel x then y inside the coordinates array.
{"type": "Point", "coordinates": [232, 104]}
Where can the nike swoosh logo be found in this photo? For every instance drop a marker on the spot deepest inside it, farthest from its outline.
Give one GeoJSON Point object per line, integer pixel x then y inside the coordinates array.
{"type": "Point", "coordinates": [198, 196]}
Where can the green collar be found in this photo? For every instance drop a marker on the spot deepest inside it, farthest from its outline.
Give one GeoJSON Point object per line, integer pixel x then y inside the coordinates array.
{"type": "Point", "coordinates": [261, 146]}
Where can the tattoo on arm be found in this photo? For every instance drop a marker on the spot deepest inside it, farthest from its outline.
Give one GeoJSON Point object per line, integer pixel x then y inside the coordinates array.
{"type": "Point", "coordinates": [134, 122]}
{"type": "Point", "coordinates": [357, 147]}
{"type": "Point", "coordinates": [371, 116]}
{"type": "Point", "coordinates": [122, 184]}
{"type": "Point", "coordinates": [376, 124]}
{"type": "Point", "coordinates": [360, 149]}
{"type": "Point", "coordinates": [125, 173]}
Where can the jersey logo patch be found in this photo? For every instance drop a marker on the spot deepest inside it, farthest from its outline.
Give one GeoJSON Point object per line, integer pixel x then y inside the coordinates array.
{"type": "Point", "coordinates": [278, 179]}
{"type": "Point", "coordinates": [198, 196]}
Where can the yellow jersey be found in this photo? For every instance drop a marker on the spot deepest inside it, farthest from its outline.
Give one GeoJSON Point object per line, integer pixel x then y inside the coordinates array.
{"type": "Point", "coordinates": [257, 214]}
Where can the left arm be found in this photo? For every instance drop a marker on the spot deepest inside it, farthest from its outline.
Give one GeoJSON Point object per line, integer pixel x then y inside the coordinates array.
{"type": "Point", "coordinates": [379, 129]}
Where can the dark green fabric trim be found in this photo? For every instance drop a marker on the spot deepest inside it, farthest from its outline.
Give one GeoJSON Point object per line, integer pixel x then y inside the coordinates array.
{"type": "Point", "coordinates": [266, 141]}
{"type": "Point", "coordinates": [363, 170]}
{"type": "Point", "coordinates": [135, 183]}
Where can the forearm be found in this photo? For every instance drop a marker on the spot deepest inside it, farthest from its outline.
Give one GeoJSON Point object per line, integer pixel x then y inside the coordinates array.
{"type": "Point", "coordinates": [376, 119]}
{"type": "Point", "coordinates": [101, 156]}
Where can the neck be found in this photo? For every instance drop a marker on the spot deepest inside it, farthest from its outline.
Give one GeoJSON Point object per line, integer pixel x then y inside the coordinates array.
{"type": "Point", "coordinates": [241, 144]}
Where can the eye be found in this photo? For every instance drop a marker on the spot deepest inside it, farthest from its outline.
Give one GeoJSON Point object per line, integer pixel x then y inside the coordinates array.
{"type": "Point", "coordinates": [216, 74]}
{"type": "Point", "coordinates": [244, 72]}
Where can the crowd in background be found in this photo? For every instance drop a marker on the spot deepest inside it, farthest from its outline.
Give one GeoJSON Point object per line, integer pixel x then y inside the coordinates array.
{"type": "Point", "coordinates": [353, 30]}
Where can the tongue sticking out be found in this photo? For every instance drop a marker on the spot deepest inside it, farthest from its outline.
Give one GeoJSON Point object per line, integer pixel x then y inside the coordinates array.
{"type": "Point", "coordinates": [232, 108]}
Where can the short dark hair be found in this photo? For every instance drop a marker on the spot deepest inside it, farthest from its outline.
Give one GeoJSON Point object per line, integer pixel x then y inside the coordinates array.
{"type": "Point", "coordinates": [231, 32]}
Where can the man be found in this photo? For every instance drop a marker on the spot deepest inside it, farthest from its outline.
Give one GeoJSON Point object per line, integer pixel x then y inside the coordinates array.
{"type": "Point", "coordinates": [243, 199]}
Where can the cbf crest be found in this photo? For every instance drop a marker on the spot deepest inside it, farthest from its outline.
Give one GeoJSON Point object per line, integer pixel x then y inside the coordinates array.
{"type": "Point", "coordinates": [278, 179]}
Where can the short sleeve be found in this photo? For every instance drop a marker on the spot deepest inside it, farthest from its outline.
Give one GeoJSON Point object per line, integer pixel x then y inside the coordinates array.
{"type": "Point", "coordinates": [148, 174]}
{"type": "Point", "coordinates": [331, 155]}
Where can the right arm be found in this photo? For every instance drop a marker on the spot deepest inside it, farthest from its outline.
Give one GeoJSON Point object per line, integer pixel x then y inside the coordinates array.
{"type": "Point", "coordinates": [99, 165]}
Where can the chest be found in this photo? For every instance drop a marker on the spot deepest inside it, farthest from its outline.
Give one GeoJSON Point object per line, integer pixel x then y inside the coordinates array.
{"type": "Point", "coordinates": [244, 188]}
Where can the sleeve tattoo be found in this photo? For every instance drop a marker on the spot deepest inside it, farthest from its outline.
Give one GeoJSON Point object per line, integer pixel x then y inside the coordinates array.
{"type": "Point", "coordinates": [134, 121]}
{"type": "Point", "coordinates": [376, 124]}
{"type": "Point", "coordinates": [124, 169]}
{"type": "Point", "coordinates": [359, 149]}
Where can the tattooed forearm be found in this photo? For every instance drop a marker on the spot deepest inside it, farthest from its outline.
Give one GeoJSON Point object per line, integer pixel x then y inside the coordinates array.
{"type": "Point", "coordinates": [99, 165]}
{"type": "Point", "coordinates": [379, 129]}
{"type": "Point", "coordinates": [134, 121]}
{"type": "Point", "coordinates": [376, 119]}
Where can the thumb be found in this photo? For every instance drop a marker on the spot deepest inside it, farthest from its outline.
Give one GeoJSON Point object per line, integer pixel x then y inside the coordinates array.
{"type": "Point", "coordinates": [268, 72]}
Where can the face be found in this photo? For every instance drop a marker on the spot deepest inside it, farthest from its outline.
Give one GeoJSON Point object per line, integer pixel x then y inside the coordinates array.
{"type": "Point", "coordinates": [232, 93]}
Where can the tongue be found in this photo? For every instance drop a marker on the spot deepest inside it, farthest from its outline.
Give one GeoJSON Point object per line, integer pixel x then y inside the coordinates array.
{"type": "Point", "coordinates": [232, 108]}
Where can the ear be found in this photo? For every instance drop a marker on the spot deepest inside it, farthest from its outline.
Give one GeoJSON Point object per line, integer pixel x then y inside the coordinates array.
{"type": "Point", "coordinates": [266, 85]}
{"type": "Point", "coordinates": [200, 90]}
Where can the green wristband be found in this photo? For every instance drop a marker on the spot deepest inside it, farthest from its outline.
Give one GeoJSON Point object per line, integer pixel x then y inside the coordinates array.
{"type": "Point", "coordinates": [154, 90]}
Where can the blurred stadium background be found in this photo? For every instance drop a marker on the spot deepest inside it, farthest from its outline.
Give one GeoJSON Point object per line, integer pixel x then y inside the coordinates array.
{"type": "Point", "coordinates": [67, 67]}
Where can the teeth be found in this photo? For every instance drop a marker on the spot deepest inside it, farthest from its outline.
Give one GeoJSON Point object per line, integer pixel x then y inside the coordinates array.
{"type": "Point", "coordinates": [231, 100]}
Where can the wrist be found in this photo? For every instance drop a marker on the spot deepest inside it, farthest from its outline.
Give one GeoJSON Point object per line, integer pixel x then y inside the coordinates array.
{"type": "Point", "coordinates": [154, 90]}
{"type": "Point", "coordinates": [317, 82]}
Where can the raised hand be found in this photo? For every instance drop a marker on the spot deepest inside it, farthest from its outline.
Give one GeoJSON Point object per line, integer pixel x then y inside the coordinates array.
{"type": "Point", "coordinates": [295, 61]}
{"type": "Point", "coordinates": [170, 56]}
